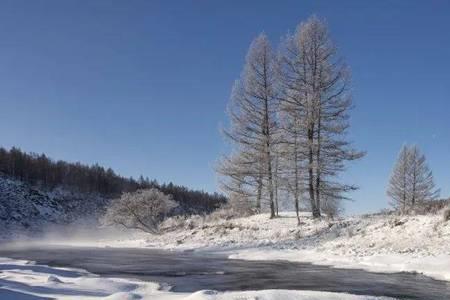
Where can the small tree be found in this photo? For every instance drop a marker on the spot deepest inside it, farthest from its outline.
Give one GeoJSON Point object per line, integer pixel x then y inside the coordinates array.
{"type": "Point", "coordinates": [411, 182]}
{"type": "Point", "coordinates": [143, 210]}
{"type": "Point", "coordinates": [422, 181]}
{"type": "Point", "coordinates": [398, 183]}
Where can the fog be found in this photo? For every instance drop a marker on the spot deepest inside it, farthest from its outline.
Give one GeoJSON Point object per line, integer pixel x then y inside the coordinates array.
{"type": "Point", "coordinates": [85, 234]}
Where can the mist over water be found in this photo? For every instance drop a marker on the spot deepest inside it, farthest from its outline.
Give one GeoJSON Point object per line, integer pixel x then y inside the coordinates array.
{"type": "Point", "coordinates": [82, 233]}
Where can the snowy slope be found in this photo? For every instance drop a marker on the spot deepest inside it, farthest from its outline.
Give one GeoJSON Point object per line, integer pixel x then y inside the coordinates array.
{"type": "Point", "coordinates": [25, 209]}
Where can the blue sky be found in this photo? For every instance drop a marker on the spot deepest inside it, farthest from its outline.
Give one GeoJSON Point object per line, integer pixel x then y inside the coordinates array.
{"type": "Point", "coordinates": [141, 86]}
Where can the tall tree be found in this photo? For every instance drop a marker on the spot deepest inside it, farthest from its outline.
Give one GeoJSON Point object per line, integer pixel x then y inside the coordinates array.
{"type": "Point", "coordinates": [315, 84]}
{"type": "Point", "coordinates": [252, 114]}
{"type": "Point", "coordinates": [240, 179]}
{"type": "Point", "coordinates": [292, 162]}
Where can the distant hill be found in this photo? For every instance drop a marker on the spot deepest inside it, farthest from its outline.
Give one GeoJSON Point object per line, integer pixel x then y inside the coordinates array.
{"type": "Point", "coordinates": [23, 206]}
{"type": "Point", "coordinates": [36, 190]}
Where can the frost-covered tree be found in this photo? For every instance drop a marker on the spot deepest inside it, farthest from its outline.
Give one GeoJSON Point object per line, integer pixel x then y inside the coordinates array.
{"type": "Point", "coordinates": [315, 85]}
{"type": "Point", "coordinates": [398, 189]}
{"type": "Point", "coordinates": [411, 182]}
{"type": "Point", "coordinates": [241, 179]}
{"type": "Point", "coordinates": [143, 210]}
{"type": "Point", "coordinates": [252, 116]}
{"type": "Point", "coordinates": [276, 180]}
{"type": "Point", "coordinates": [292, 162]}
{"type": "Point", "coordinates": [422, 181]}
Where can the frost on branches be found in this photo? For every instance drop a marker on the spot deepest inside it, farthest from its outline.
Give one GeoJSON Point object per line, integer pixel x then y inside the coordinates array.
{"type": "Point", "coordinates": [143, 210]}
{"type": "Point", "coordinates": [289, 120]}
{"type": "Point", "coordinates": [411, 183]}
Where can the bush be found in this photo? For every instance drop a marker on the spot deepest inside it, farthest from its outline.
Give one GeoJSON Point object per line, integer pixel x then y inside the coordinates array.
{"type": "Point", "coordinates": [447, 214]}
{"type": "Point", "coordinates": [144, 210]}
{"type": "Point", "coordinates": [173, 223]}
{"type": "Point", "coordinates": [429, 207]}
{"type": "Point", "coordinates": [231, 211]}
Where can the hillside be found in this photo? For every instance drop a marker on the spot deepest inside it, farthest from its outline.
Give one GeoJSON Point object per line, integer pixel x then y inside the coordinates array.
{"type": "Point", "coordinates": [24, 207]}
{"type": "Point", "coordinates": [36, 191]}
{"type": "Point", "coordinates": [82, 180]}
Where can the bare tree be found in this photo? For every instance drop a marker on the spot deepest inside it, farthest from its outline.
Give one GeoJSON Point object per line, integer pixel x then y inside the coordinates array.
{"type": "Point", "coordinates": [411, 182]}
{"type": "Point", "coordinates": [143, 210]}
{"type": "Point", "coordinates": [252, 117]}
{"type": "Point", "coordinates": [315, 92]}
{"type": "Point", "coordinates": [398, 189]}
{"type": "Point", "coordinates": [241, 179]}
{"type": "Point", "coordinates": [422, 181]}
{"type": "Point", "coordinates": [276, 180]}
{"type": "Point", "coordinates": [292, 164]}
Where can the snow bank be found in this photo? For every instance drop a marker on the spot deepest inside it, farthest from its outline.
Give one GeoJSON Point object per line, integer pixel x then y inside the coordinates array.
{"type": "Point", "coordinates": [377, 243]}
{"type": "Point", "coordinates": [373, 242]}
{"type": "Point", "coordinates": [27, 281]}
{"type": "Point", "coordinates": [437, 267]}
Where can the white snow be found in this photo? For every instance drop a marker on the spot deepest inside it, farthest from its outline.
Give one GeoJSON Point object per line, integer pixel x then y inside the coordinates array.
{"type": "Point", "coordinates": [381, 243]}
{"type": "Point", "coordinates": [22, 280]}
{"type": "Point", "coordinates": [26, 210]}
{"type": "Point", "coordinates": [375, 243]}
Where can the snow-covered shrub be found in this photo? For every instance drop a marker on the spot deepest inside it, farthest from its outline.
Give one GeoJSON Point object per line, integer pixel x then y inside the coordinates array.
{"type": "Point", "coordinates": [144, 210]}
{"type": "Point", "coordinates": [385, 212]}
{"type": "Point", "coordinates": [230, 211]}
{"type": "Point", "coordinates": [397, 222]}
{"type": "Point", "coordinates": [428, 207]}
{"type": "Point", "coordinates": [194, 221]}
{"type": "Point", "coordinates": [447, 214]}
{"type": "Point", "coordinates": [331, 207]}
{"type": "Point", "coordinates": [298, 234]}
{"type": "Point", "coordinates": [173, 223]}
{"type": "Point", "coordinates": [349, 232]}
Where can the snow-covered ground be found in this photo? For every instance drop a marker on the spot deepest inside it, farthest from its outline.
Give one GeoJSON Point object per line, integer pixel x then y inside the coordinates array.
{"type": "Point", "coordinates": [382, 243]}
{"type": "Point", "coordinates": [23, 280]}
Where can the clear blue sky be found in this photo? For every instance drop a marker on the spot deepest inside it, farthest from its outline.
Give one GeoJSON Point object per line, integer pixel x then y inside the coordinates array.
{"type": "Point", "coordinates": [141, 86]}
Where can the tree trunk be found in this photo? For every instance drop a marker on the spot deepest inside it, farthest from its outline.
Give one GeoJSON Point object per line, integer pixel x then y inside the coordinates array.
{"type": "Point", "coordinates": [296, 193]}
{"type": "Point", "coordinates": [270, 182]}
{"type": "Point", "coordinates": [276, 190]}
{"type": "Point", "coordinates": [318, 167]}
{"type": "Point", "coordinates": [267, 133]}
{"type": "Point", "coordinates": [311, 174]}
{"type": "Point", "coordinates": [259, 194]}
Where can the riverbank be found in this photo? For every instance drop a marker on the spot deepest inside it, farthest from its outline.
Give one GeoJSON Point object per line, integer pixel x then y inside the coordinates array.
{"type": "Point", "coordinates": [379, 243]}
{"type": "Point", "coordinates": [24, 280]}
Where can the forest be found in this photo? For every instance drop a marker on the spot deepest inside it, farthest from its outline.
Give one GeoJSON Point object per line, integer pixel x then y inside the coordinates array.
{"type": "Point", "coordinates": [41, 171]}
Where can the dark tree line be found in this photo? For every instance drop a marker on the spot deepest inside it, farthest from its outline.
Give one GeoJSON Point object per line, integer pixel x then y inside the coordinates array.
{"type": "Point", "coordinates": [42, 171]}
{"type": "Point", "coordinates": [192, 201]}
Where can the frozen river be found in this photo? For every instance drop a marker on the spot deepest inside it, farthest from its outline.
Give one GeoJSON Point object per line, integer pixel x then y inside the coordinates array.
{"type": "Point", "coordinates": [192, 271]}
